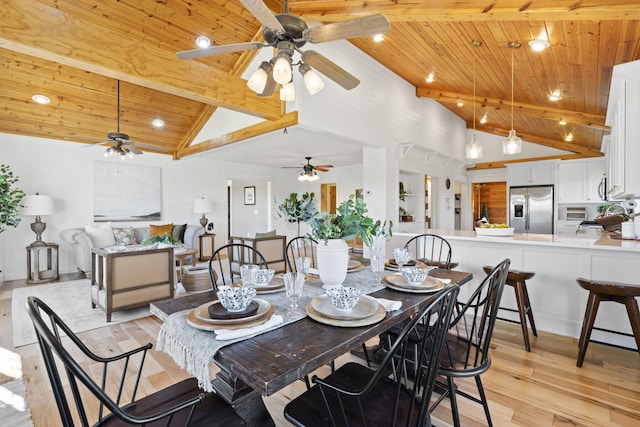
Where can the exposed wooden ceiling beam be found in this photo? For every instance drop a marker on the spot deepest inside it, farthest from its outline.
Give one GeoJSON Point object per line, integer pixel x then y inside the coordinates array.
{"type": "Point", "coordinates": [575, 117]}
{"type": "Point", "coordinates": [472, 10]}
{"type": "Point", "coordinates": [289, 119]}
{"type": "Point", "coordinates": [78, 45]}
{"type": "Point", "coordinates": [501, 164]}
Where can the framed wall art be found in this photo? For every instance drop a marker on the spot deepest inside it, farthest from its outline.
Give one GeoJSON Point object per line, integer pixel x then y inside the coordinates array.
{"type": "Point", "coordinates": [250, 195]}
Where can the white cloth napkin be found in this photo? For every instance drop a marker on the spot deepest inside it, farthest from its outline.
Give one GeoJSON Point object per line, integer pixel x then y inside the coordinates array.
{"type": "Point", "coordinates": [313, 271]}
{"type": "Point", "coordinates": [445, 281]}
{"type": "Point", "coordinates": [389, 305]}
{"type": "Point", "coordinates": [230, 334]}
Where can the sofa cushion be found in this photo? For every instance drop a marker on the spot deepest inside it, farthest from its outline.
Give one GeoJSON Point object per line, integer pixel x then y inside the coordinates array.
{"type": "Point", "coordinates": [124, 236]}
{"type": "Point", "coordinates": [178, 231]}
{"type": "Point", "coordinates": [101, 234]}
{"type": "Point", "coordinates": [271, 233]}
{"type": "Point", "coordinates": [160, 230]}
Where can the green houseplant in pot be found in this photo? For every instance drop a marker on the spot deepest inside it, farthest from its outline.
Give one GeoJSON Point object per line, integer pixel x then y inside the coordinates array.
{"type": "Point", "coordinates": [331, 231]}
{"type": "Point", "coordinates": [10, 198]}
{"type": "Point", "coordinates": [298, 208]}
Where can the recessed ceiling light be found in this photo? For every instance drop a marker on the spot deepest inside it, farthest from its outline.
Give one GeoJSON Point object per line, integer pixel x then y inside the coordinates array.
{"type": "Point", "coordinates": [460, 103]}
{"type": "Point", "coordinates": [569, 137]}
{"type": "Point", "coordinates": [378, 38]}
{"type": "Point", "coordinates": [562, 122]}
{"type": "Point", "coordinates": [483, 120]}
{"type": "Point", "coordinates": [556, 95]}
{"type": "Point", "coordinates": [203, 41]}
{"type": "Point", "coordinates": [41, 99]}
{"type": "Point", "coordinates": [157, 122]}
{"type": "Point", "coordinates": [431, 77]}
{"type": "Point", "coordinates": [539, 45]}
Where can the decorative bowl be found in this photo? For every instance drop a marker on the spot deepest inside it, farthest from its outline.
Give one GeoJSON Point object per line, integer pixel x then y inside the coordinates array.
{"type": "Point", "coordinates": [264, 276]}
{"type": "Point", "coordinates": [236, 299]}
{"type": "Point", "coordinates": [415, 275]}
{"type": "Point", "coordinates": [343, 298]}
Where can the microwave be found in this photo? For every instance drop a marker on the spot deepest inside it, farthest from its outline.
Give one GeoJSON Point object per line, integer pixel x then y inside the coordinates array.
{"type": "Point", "coordinates": [576, 213]}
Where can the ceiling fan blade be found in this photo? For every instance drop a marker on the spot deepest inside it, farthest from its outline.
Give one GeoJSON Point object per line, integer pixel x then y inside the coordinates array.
{"type": "Point", "coordinates": [263, 14]}
{"type": "Point", "coordinates": [330, 69]}
{"type": "Point", "coordinates": [320, 168]}
{"type": "Point", "coordinates": [323, 166]}
{"type": "Point", "coordinates": [351, 28]}
{"type": "Point", "coordinates": [133, 149]}
{"type": "Point", "coordinates": [217, 50]}
{"type": "Point", "coordinates": [144, 145]}
{"type": "Point", "coordinates": [93, 144]}
{"type": "Point", "coordinates": [269, 87]}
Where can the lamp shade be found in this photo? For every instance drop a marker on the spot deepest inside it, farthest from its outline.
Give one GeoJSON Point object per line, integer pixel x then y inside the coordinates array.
{"type": "Point", "coordinates": [202, 205]}
{"type": "Point", "coordinates": [37, 205]}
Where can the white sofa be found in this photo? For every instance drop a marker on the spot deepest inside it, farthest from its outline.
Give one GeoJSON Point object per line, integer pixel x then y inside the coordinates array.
{"type": "Point", "coordinates": [82, 243]}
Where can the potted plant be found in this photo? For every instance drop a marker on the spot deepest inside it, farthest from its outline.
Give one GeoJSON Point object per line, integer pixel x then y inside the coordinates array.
{"type": "Point", "coordinates": [10, 198]}
{"type": "Point", "coordinates": [331, 231]}
{"type": "Point", "coordinates": [298, 209]}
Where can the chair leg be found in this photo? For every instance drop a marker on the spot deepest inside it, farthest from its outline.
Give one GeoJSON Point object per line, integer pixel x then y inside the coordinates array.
{"type": "Point", "coordinates": [454, 402]}
{"type": "Point", "coordinates": [483, 399]}
{"type": "Point", "coordinates": [634, 318]}
{"type": "Point", "coordinates": [529, 311]}
{"type": "Point", "coordinates": [587, 326]}
{"type": "Point", "coordinates": [520, 301]}
{"type": "Point", "coordinates": [366, 354]}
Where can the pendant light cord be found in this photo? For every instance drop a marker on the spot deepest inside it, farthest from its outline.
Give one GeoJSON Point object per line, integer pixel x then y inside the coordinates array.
{"type": "Point", "coordinates": [474, 94]}
{"type": "Point", "coordinates": [118, 104]}
{"type": "Point", "coordinates": [512, 79]}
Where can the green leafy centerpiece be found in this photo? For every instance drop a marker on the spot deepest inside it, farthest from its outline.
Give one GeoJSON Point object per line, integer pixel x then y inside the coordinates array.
{"type": "Point", "coordinates": [298, 209]}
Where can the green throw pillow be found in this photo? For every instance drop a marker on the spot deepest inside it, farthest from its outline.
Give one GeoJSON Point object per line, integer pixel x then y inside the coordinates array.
{"type": "Point", "coordinates": [271, 233]}
{"type": "Point", "coordinates": [178, 231]}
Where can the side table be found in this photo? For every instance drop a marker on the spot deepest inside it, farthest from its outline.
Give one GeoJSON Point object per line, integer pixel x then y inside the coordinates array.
{"type": "Point", "coordinates": [207, 246]}
{"type": "Point", "coordinates": [45, 256]}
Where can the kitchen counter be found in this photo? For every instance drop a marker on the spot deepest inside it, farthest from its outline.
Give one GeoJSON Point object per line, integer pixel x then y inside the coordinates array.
{"type": "Point", "coordinates": [558, 303]}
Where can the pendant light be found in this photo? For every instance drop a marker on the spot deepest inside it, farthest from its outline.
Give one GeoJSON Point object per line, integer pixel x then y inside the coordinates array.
{"type": "Point", "coordinates": [473, 149]}
{"type": "Point", "coordinates": [512, 144]}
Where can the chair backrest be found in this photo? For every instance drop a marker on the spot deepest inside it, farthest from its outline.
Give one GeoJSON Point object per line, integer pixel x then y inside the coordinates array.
{"type": "Point", "coordinates": [228, 260]}
{"type": "Point", "coordinates": [413, 384]}
{"type": "Point", "coordinates": [54, 348]}
{"type": "Point", "coordinates": [300, 247]}
{"type": "Point", "coordinates": [474, 323]}
{"type": "Point", "coordinates": [431, 249]}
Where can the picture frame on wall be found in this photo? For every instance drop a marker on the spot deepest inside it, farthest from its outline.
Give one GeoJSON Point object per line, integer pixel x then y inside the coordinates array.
{"type": "Point", "coordinates": [250, 195]}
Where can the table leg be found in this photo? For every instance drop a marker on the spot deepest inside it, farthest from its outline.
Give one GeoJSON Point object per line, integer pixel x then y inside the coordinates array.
{"type": "Point", "coordinates": [246, 401]}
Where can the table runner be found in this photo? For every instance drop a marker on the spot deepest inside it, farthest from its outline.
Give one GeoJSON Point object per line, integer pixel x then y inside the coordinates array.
{"type": "Point", "coordinates": [194, 349]}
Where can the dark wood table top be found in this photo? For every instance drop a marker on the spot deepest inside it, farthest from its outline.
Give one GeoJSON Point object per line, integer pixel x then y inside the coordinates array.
{"type": "Point", "coordinates": [275, 359]}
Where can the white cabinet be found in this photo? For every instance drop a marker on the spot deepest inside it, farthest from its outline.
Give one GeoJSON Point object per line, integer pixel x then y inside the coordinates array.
{"type": "Point", "coordinates": [533, 173]}
{"type": "Point", "coordinates": [623, 150]}
{"type": "Point", "coordinates": [579, 181]}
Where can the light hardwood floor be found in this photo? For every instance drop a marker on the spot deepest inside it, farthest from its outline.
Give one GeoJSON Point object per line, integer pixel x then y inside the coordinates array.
{"type": "Point", "coordinates": [540, 388]}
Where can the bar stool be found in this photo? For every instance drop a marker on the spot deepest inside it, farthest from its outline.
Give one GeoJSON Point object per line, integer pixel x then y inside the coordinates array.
{"type": "Point", "coordinates": [517, 280]}
{"type": "Point", "coordinates": [607, 291]}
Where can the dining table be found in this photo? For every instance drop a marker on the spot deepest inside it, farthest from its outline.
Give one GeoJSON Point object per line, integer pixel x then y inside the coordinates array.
{"type": "Point", "coordinates": [262, 364]}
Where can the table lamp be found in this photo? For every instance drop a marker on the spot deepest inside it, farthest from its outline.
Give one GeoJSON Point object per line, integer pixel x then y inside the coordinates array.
{"type": "Point", "coordinates": [202, 206]}
{"type": "Point", "coordinates": [38, 205]}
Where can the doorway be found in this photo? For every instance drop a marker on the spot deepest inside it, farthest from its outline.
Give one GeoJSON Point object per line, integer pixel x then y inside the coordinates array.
{"type": "Point", "coordinates": [490, 201]}
{"type": "Point", "coordinates": [328, 196]}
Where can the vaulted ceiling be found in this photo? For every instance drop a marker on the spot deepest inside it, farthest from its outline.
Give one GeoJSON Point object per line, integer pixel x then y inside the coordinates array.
{"type": "Point", "coordinates": [75, 51]}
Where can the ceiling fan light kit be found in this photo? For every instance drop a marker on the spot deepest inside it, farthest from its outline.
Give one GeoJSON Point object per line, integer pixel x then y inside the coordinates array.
{"type": "Point", "coordinates": [513, 144]}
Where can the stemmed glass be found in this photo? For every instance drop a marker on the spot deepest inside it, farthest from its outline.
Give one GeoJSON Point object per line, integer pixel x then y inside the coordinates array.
{"type": "Point", "coordinates": [293, 283]}
{"type": "Point", "coordinates": [248, 274]}
{"type": "Point", "coordinates": [402, 257]}
{"type": "Point", "coordinates": [377, 263]}
{"type": "Point", "coordinates": [303, 264]}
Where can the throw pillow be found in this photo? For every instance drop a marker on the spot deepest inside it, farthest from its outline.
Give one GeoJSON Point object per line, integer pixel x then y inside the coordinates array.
{"type": "Point", "coordinates": [101, 234]}
{"type": "Point", "coordinates": [271, 233]}
{"type": "Point", "coordinates": [160, 230]}
{"type": "Point", "coordinates": [124, 236]}
{"type": "Point", "coordinates": [178, 231]}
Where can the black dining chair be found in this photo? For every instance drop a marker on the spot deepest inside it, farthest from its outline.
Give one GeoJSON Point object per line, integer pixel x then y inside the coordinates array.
{"type": "Point", "coordinates": [390, 395]}
{"type": "Point", "coordinates": [431, 249]}
{"type": "Point", "coordinates": [228, 260]}
{"type": "Point", "coordinates": [466, 352]}
{"type": "Point", "coordinates": [300, 247]}
{"type": "Point", "coordinates": [181, 404]}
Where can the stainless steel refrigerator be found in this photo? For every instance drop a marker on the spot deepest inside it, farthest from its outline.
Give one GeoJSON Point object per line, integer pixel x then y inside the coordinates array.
{"type": "Point", "coordinates": [531, 209]}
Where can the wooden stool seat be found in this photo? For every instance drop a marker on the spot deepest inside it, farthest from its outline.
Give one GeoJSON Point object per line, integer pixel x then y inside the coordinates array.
{"type": "Point", "coordinates": [607, 291]}
{"type": "Point", "coordinates": [517, 280]}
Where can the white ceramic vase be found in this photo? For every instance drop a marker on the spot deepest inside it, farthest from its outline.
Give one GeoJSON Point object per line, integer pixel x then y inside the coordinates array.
{"type": "Point", "coordinates": [333, 261]}
{"type": "Point", "coordinates": [636, 226]}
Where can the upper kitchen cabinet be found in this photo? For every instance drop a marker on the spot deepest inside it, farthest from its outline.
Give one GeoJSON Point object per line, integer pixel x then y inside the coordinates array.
{"type": "Point", "coordinates": [580, 181]}
{"type": "Point", "coordinates": [623, 148]}
{"type": "Point", "coordinates": [531, 173]}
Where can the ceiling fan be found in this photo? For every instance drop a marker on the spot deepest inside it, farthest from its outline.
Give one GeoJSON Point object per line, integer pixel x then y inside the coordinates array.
{"type": "Point", "coordinates": [288, 33]}
{"type": "Point", "coordinates": [307, 172]}
{"type": "Point", "coordinates": [121, 144]}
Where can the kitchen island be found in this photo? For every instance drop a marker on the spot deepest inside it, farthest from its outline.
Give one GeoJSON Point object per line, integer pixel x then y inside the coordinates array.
{"type": "Point", "coordinates": [557, 301]}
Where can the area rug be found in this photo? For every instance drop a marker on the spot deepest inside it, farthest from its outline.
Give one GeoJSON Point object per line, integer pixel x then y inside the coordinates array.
{"type": "Point", "coordinates": [14, 411]}
{"type": "Point", "coordinates": [71, 301]}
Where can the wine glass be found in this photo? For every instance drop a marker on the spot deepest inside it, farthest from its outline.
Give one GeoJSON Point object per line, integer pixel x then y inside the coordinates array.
{"type": "Point", "coordinates": [402, 257]}
{"type": "Point", "coordinates": [293, 283]}
{"type": "Point", "coordinates": [377, 263]}
{"type": "Point", "coordinates": [303, 264]}
{"type": "Point", "coordinates": [248, 274]}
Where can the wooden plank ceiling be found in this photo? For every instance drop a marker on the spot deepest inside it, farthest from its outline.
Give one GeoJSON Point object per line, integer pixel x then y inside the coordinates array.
{"type": "Point", "coordinates": [74, 51]}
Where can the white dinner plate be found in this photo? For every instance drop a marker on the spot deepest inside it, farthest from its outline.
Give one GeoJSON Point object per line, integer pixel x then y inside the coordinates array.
{"type": "Point", "coordinates": [365, 307]}
{"type": "Point", "coordinates": [399, 283]}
